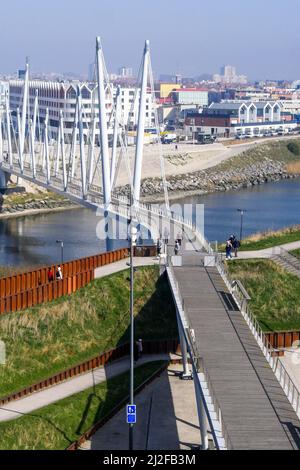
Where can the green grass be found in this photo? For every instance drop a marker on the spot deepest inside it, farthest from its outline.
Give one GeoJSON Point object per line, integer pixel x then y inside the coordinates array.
{"type": "Point", "coordinates": [270, 238]}
{"type": "Point", "coordinates": [23, 198]}
{"type": "Point", "coordinates": [52, 337]}
{"type": "Point", "coordinates": [275, 293]}
{"type": "Point", "coordinates": [58, 425]}
{"type": "Point", "coordinates": [296, 253]}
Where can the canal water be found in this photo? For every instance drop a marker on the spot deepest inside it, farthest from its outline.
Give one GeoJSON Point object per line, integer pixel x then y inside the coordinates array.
{"type": "Point", "coordinates": [31, 240]}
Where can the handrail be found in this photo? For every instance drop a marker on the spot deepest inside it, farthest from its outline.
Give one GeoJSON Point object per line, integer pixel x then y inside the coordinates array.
{"type": "Point", "coordinates": [270, 353]}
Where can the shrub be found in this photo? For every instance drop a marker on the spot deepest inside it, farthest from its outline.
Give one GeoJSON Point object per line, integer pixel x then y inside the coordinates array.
{"type": "Point", "coordinates": [293, 147]}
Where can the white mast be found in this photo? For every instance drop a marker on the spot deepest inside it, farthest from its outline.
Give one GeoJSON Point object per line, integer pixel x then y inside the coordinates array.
{"type": "Point", "coordinates": [20, 139]}
{"type": "Point", "coordinates": [33, 133]}
{"type": "Point", "coordinates": [8, 129]}
{"type": "Point", "coordinates": [62, 143]}
{"type": "Point", "coordinates": [74, 140]}
{"type": "Point", "coordinates": [58, 149]}
{"type": "Point", "coordinates": [141, 127]}
{"type": "Point", "coordinates": [92, 150]}
{"type": "Point", "coordinates": [103, 124]}
{"type": "Point", "coordinates": [47, 147]}
{"type": "Point", "coordinates": [24, 109]}
{"type": "Point", "coordinates": [81, 143]}
{"type": "Point", "coordinates": [115, 139]}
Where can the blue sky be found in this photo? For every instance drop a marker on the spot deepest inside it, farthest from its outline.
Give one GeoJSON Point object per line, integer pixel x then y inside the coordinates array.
{"type": "Point", "coordinates": [260, 37]}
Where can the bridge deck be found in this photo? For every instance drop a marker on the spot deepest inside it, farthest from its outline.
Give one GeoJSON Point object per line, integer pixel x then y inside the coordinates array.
{"type": "Point", "coordinates": [255, 410]}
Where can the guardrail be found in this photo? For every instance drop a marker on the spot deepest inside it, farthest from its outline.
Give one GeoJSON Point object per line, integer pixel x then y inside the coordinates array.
{"type": "Point", "coordinates": [270, 353]}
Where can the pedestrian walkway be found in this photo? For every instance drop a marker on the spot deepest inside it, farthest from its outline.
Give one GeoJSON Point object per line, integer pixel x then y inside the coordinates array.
{"type": "Point", "coordinates": [37, 400]}
{"type": "Point", "coordinates": [167, 418]}
{"type": "Point", "coordinates": [255, 411]}
{"type": "Point", "coordinates": [121, 265]}
{"type": "Point", "coordinates": [268, 252]}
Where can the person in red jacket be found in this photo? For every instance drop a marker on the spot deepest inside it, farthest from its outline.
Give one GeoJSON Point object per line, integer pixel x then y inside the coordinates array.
{"type": "Point", "coordinates": [50, 275]}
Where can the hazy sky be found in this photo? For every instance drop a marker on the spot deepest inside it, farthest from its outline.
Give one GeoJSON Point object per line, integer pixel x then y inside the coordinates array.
{"type": "Point", "coordinates": [260, 37]}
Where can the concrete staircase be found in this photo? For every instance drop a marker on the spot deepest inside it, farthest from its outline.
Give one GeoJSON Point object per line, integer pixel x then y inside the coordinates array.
{"type": "Point", "coordinates": [289, 262]}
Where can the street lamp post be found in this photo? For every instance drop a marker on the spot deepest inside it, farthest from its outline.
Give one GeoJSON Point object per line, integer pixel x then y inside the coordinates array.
{"type": "Point", "coordinates": [133, 237]}
{"type": "Point", "coordinates": [241, 226]}
{"type": "Point", "coordinates": [62, 250]}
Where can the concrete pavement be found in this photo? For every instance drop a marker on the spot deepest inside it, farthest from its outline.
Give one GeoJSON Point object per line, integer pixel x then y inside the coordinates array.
{"type": "Point", "coordinates": [166, 418]}
{"type": "Point", "coordinates": [37, 400]}
{"type": "Point", "coordinates": [267, 252]}
{"type": "Point", "coordinates": [121, 265]}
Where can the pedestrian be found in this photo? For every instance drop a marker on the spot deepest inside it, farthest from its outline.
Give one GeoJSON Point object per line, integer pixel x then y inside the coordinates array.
{"type": "Point", "coordinates": [179, 238]}
{"type": "Point", "coordinates": [136, 351]}
{"type": "Point", "coordinates": [236, 244]}
{"type": "Point", "coordinates": [58, 274]}
{"type": "Point", "coordinates": [50, 275]}
{"type": "Point", "coordinates": [166, 235]}
{"type": "Point", "coordinates": [140, 348]}
{"type": "Point", "coordinates": [228, 248]}
{"type": "Point", "coordinates": [158, 247]}
{"type": "Point", "coordinates": [177, 247]}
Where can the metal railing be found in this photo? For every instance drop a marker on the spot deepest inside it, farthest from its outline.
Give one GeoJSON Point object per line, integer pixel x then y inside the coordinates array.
{"type": "Point", "coordinates": [270, 353]}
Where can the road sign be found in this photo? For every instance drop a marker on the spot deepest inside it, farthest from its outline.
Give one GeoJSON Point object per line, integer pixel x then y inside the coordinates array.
{"type": "Point", "coordinates": [131, 414]}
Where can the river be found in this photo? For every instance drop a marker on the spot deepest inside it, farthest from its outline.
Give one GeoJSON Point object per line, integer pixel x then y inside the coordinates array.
{"type": "Point", "coordinates": [31, 240]}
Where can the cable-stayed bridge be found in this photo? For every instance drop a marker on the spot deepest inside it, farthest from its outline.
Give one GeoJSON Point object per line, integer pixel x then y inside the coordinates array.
{"type": "Point", "coordinates": [245, 398]}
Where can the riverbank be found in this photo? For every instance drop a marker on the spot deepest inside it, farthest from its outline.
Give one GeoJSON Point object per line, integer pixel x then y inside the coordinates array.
{"type": "Point", "coordinates": [24, 204]}
{"type": "Point", "coordinates": [260, 163]}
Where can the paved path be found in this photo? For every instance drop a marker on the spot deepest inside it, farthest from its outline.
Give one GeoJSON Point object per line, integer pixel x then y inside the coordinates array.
{"type": "Point", "coordinates": [268, 252]}
{"type": "Point", "coordinates": [255, 410]}
{"type": "Point", "coordinates": [121, 265]}
{"type": "Point", "coordinates": [166, 418]}
{"type": "Point", "coordinates": [55, 393]}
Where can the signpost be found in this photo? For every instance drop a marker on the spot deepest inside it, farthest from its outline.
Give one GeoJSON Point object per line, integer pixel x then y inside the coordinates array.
{"type": "Point", "coordinates": [131, 414]}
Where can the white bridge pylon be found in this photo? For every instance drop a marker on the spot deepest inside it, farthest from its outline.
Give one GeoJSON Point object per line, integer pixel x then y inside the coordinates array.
{"type": "Point", "coordinates": [28, 150]}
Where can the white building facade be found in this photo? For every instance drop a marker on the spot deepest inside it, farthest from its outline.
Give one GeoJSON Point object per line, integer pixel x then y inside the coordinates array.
{"type": "Point", "coordinates": [62, 96]}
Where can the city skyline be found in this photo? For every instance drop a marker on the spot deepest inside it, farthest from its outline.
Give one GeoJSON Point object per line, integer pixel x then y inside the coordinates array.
{"type": "Point", "coordinates": [213, 37]}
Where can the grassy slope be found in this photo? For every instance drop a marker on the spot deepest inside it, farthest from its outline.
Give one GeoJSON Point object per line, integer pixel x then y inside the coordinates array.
{"type": "Point", "coordinates": [272, 150]}
{"type": "Point", "coordinates": [268, 239]}
{"type": "Point", "coordinates": [49, 338]}
{"type": "Point", "coordinates": [58, 425]}
{"type": "Point", "coordinates": [275, 294]}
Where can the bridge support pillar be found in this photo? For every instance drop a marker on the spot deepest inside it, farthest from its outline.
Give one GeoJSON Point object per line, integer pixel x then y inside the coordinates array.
{"type": "Point", "coordinates": [110, 227]}
{"type": "Point", "coordinates": [201, 411]}
{"type": "Point", "coordinates": [186, 372]}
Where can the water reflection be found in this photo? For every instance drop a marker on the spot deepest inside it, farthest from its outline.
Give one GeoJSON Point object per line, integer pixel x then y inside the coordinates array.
{"type": "Point", "coordinates": [31, 240]}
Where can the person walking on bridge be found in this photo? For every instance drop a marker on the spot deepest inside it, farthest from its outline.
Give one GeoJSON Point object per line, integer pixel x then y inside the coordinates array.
{"type": "Point", "coordinates": [228, 248]}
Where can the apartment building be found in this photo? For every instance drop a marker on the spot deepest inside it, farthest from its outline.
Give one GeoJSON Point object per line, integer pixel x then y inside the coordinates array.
{"type": "Point", "coordinates": [62, 96]}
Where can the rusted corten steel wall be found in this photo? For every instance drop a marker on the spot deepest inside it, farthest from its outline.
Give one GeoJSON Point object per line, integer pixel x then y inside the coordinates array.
{"type": "Point", "coordinates": [123, 350]}
{"type": "Point", "coordinates": [283, 339]}
{"type": "Point", "coordinates": [31, 288]}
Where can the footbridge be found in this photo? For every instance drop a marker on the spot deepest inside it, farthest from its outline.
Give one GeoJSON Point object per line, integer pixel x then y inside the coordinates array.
{"type": "Point", "coordinates": [245, 397]}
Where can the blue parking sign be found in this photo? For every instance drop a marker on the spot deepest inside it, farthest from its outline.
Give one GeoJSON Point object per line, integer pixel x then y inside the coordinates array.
{"type": "Point", "coordinates": [131, 414]}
